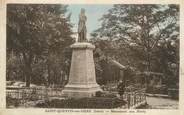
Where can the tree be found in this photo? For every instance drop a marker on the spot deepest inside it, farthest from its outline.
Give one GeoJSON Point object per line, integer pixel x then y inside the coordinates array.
{"type": "Point", "coordinates": [36, 31]}
{"type": "Point", "coordinates": [139, 32]}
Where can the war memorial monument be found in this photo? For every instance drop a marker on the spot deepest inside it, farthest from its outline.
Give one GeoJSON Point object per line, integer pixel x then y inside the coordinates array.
{"type": "Point", "coordinates": [82, 78]}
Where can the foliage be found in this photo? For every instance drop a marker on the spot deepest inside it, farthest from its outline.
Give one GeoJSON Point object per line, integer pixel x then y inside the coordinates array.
{"type": "Point", "coordinates": [173, 93]}
{"type": "Point", "coordinates": [145, 37]}
{"type": "Point", "coordinates": [12, 102]}
{"type": "Point", "coordinates": [37, 34]}
{"type": "Point", "coordinates": [157, 90]}
{"type": "Point", "coordinates": [93, 102]}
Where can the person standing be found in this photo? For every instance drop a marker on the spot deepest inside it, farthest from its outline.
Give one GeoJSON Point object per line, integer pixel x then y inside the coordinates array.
{"type": "Point", "coordinates": [121, 88]}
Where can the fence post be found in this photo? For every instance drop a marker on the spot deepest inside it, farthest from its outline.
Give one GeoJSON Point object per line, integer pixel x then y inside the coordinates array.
{"type": "Point", "coordinates": [140, 95]}
{"type": "Point", "coordinates": [134, 99]}
{"type": "Point", "coordinates": [46, 93]}
{"type": "Point", "coordinates": [128, 99]}
{"type": "Point", "coordinates": [144, 97]}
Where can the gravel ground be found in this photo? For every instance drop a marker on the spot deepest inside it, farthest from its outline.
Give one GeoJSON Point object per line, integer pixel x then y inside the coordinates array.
{"type": "Point", "coordinates": [161, 103]}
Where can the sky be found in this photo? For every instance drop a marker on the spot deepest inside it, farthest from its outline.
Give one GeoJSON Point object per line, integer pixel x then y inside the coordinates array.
{"type": "Point", "coordinates": [93, 14]}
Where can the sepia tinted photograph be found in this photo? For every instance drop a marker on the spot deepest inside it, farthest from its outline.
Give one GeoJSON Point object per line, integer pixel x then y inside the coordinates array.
{"type": "Point", "coordinates": [94, 56]}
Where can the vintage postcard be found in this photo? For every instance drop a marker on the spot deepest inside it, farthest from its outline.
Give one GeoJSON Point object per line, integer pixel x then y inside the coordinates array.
{"type": "Point", "coordinates": [95, 57]}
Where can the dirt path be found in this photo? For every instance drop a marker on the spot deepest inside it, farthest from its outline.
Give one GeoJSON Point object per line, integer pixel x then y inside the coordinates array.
{"type": "Point", "coordinates": [161, 103]}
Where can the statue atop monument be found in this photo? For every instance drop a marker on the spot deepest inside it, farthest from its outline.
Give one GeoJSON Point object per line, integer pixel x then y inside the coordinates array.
{"type": "Point", "coordinates": [82, 27]}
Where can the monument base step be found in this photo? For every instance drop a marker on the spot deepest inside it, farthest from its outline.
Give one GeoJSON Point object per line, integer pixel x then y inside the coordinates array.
{"type": "Point", "coordinates": [80, 91]}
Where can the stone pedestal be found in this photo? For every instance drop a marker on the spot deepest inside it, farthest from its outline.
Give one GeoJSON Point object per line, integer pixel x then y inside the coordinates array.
{"type": "Point", "coordinates": [82, 78]}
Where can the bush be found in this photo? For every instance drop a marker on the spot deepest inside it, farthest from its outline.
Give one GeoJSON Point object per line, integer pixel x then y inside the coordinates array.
{"type": "Point", "coordinates": [94, 102]}
{"type": "Point", "coordinates": [12, 102]}
{"type": "Point", "coordinates": [157, 90]}
{"type": "Point", "coordinates": [173, 93]}
{"type": "Point", "coordinates": [98, 94]}
{"type": "Point", "coordinates": [110, 95]}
